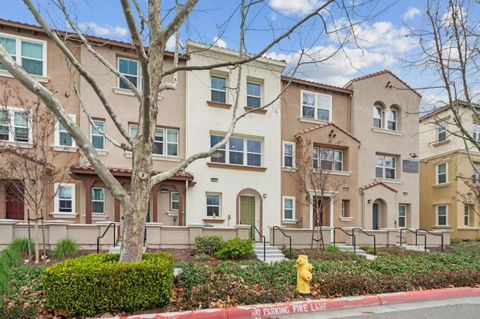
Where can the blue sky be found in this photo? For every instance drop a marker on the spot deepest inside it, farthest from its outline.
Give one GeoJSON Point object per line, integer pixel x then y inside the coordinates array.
{"type": "Point", "coordinates": [382, 30]}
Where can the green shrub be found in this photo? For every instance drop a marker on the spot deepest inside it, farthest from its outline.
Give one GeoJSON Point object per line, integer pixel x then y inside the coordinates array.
{"type": "Point", "coordinates": [20, 245]}
{"type": "Point", "coordinates": [235, 248]}
{"type": "Point", "coordinates": [65, 248]}
{"type": "Point", "coordinates": [332, 249]}
{"type": "Point", "coordinates": [98, 283]}
{"type": "Point", "coordinates": [208, 244]}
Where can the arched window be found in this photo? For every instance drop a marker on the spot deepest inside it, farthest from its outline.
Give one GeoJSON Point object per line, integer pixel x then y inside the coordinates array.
{"type": "Point", "coordinates": [377, 115]}
{"type": "Point", "coordinates": [392, 118]}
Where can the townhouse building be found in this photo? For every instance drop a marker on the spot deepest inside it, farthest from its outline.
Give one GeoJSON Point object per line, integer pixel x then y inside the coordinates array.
{"type": "Point", "coordinates": [384, 118]}
{"type": "Point", "coordinates": [449, 173]}
{"type": "Point", "coordinates": [316, 139]}
{"type": "Point", "coordinates": [241, 183]}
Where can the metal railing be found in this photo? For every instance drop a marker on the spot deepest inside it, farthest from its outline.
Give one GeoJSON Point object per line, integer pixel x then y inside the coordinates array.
{"type": "Point", "coordinates": [354, 240]}
{"type": "Point", "coordinates": [434, 234]}
{"type": "Point", "coordinates": [103, 235]}
{"type": "Point", "coordinates": [370, 235]}
{"type": "Point", "coordinates": [283, 233]}
{"type": "Point", "coordinates": [416, 237]}
{"type": "Point", "coordinates": [253, 228]}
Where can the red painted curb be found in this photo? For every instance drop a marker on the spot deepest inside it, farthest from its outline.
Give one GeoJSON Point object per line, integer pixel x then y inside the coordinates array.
{"type": "Point", "coordinates": [297, 307]}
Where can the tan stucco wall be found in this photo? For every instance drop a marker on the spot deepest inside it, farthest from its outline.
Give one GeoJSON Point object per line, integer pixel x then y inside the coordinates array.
{"type": "Point", "coordinates": [366, 92]}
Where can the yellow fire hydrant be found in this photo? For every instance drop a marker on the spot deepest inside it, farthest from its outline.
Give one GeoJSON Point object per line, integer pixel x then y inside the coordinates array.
{"type": "Point", "coordinates": [304, 274]}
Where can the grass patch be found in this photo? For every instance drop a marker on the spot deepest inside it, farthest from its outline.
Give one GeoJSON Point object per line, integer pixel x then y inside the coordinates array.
{"type": "Point", "coordinates": [65, 248]}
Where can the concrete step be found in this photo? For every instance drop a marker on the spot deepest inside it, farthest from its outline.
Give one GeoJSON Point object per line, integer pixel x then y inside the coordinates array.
{"type": "Point", "coordinates": [359, 252]}
{"type": "Point", "coordinates": [272, 254]}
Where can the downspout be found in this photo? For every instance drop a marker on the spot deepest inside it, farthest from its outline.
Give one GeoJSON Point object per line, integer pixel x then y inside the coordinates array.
{"type": "Point", "coordinates": [187, 104]}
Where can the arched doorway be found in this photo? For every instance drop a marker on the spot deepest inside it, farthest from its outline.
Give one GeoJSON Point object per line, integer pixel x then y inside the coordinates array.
{"type": "Point", "coordinates": [379, 209]}
{"type": "Point", "coordinates": [250, 208]}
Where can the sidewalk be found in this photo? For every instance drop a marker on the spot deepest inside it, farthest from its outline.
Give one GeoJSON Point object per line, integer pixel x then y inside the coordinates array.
{"type": "Point", "coordinates": [309, 309]}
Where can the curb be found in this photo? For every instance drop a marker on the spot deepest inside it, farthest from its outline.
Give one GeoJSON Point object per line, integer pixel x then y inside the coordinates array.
{"type": "Point", "coordinates": [297, 307]}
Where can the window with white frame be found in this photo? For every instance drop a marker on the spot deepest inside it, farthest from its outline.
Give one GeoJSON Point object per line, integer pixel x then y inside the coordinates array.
{"type": "Point", "coordinates": [377, 115]}
{"type": "Point", "coordinates": [129, 69]}
{"type": "Point", "coordinates": [392, 115]}
{"type": "Point", "coordinates": [288, 155]}
{"type": "Point", "coordinates": [254, 94]}
{"type": "Point", "coordinates": [442, 173]}
{"type": "Point", "coordinates": [218, 89]}
{"type": "Point", "coordinates": [172, 142]}
{"type": "Point", "coordinates": [97, 134]}
{"type": "Point", "coordinates": [15, 125]}
{"type": "Point", "coordinates": [214, 202]}
{"type": "Point", "coordinates": [442, 213]}
{"type": "Point", "coordinates": [476, 173]}
{"type": "Point", "coordinates": [402, 215]}
{"type": "Point", "coordinates": [327, 159]}
{"type": "Point", "coordinates": [385, 166]}
{"type": "Point", "coordinates": [158, 145]}
{"type": "Point", "coordinates": [28, 53]}
{"type": "Point", "coordinates": [316, 106]}
{"type": "Point", "coordinates": [476, 132]}
{"type": "Point", "coordinates": [241, 151]}
{"type": "Point", "coordinates": [133, 128]}
{"type": "Point", "coordinates": [441, 131]}
{"type": "Point", "coordinates": [98, 200]}
{"type": "Point", "coordinates": [174, 201]}
{"type": "Point", "coordinates": [345, 208]}
{"type": "Point", "coordinates": [63, 137]}
{"type": "Point", "coordinates": [466, 215]}
{"type": "Point", "coordinates": [161, 146]}
{"type": "Point", "coordinates": [65, 198]}
{"type": "Point", "coordinates": [288, 208]}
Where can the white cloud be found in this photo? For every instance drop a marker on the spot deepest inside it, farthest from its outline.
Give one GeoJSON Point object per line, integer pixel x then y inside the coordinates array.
{"type": "Point", "coordinates": [295, 6]}
{"type": "Point", "coordinates": [411, 13]}
{"type": "Point", "coordinates": [103, 31]}
{"type": "Point", "coordinates": [218, 42]}
{"type": "Point", "coordinates": [170, 46]}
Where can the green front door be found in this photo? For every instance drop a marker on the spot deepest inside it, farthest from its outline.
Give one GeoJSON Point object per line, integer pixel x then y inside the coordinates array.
{"type": "Point", "coordinates": [247, 210]}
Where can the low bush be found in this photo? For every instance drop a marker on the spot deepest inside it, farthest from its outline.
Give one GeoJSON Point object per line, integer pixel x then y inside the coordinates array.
{"type": "Point", "coordinates": [65, 248]}
{"type": "Point", "coordinates": [332, 249]}
{"type": "Point", "coordinates": [21, 246]}
{"type": "Point", "coordinates": [98, 283]}
{"type": "Point", "coordinates": [235, 248]}
{"type": "Point", "coordinates": [208, 244]}
{"type": "Point", "coordinates": [9, 258]}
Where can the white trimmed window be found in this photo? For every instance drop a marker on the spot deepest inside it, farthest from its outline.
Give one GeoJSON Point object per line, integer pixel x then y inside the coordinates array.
{"type": "Point", "coordinates": [385, 166]}
{"type": "Point", "coordinates": [174, 201]}
{"type": "Point", "coordinates": [62, 136]}
{"type": "Point", "coordinates": [476, 173]}
{"type": "Point", "coordinates": [476, 131]}
{"type": "Point", "coordinates": [402, 215]}
{"type": "Point", "coordinates": [241, 151]}
{"type": "Point", "coordinates": [254, 94]}
{"type": "Point", "coordinates": [392, 115]}
{"type": "Point", "coordinates": [328, 159]}
{"type": "Point", "coordinates": [441, 131]}
{"type": "Point", "coordinates": [161, 146]}
{"type": "Point", "coordinates": [441, 173]}
{"type": "Point", "coordinates": [97, 134]}
{"type": "Point", "coordinates": [15, 125]}
{"type": "Point", "coordinates": [316, 106]}
{"type": "Point", "coordinates": [288, 208]}
{"type": "Point", "coordinates": [442, 215]}
{"type": "Point", "coordinates": [214, 204]}
{"type": "Point", "coordinates": [172, 142]}
{"type": "Point", "coordinates": [345, 208]}
{"type": "Point", "coordinates": [98, 200]}
{"type": "Point", "coordinates": [377, 115]}
{"type": "Point", "coordinates": [28, 53]}
{"type": "Point", "coordinates": [466, 215]}
{"type": "Point", "coordinates": [218, 89]}
{"type": "Point", "coordinates": [288, 159]}
{"type": "Point", "coordinates": [64, 198]}
{"type": "Point", "coordinates": [130, 69]}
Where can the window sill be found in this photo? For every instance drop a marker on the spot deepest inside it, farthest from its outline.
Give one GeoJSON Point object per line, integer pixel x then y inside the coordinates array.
{"type": "Point", "coordinates": [99, 216]}
{"type": "Point", "coordinates": [468, 228]}
{"type": "Point", "coordinates": [238, 167]}
{"type": "Point", "coordinates": [64, 215]}
{"type": "Point", "coordinates": [157, 157]}
{"type": "Point", "coordinates": [442, 227]}
{"type": "Point", "coordinates": [339, 173]}
{"type": "Point", "coordinates": [310, 120]}
{"type": "Point", "coordinates": [441, 185]}
{"type": "Point", "coordinates": [61, 148]}
{"type": "Point", "coordinates": [219, 105]}
{"type": "Point", "coordinates": [345, 219]}
{"type": "Point", "coordinates": [213, 220]}
{"type": "Point", "coordinates": [102, 152]}
{"type": "Point", "coordinates": [289, 221]}
{"type": "Point", "coordinates": [17, 144]}
{"type": "Point", "coordinates": [437, 144]}
{"type": "Point", "coordinates": [387, 131]}
{"type": "Point", "coordinates": [387, 180]}
{"type": "Point", "coordinates": [289, 169]}
{"type": "Point", "coordinates": [39, 78]}
{"type": "Point", "coordinates": [254, 110]}
{"type": "Point", "coordinates": [123, 91]}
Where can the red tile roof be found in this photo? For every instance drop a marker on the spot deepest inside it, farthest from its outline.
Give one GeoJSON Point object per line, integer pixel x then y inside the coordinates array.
{"type": "Point", "coordinates": [321, 125]}
{"type": "Point", "coordinates": [317, 85]}
{"type": "Point", "coordinates": [122, 172]}
{"type": "Point", "coordinates": [366, 76]}
{"type": "Point", "coordinates": [376, 183]}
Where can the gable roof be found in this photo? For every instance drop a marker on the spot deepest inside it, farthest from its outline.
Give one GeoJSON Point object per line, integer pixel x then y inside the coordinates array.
{"type": "Point", "coordinates": [322, 125]}
{"type": "Point", "coordinates": [445, 107]}
{"type": "Point", "coordinates": [318, 85]}
{"type": "Point", "coordinates": [376, 183]}
{"type": "Point", "coordinates": [123, 172]}
{"type": "Point", "coordinates": [371, 75]}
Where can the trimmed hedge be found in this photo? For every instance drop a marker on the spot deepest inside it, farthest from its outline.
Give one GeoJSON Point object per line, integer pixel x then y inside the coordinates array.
{"type": "Point", "coordinates": [98, 283]}
{"type": "Point", "coordinates": [235, 248]}
{"type": "Point", "coordinates": [208, 244]}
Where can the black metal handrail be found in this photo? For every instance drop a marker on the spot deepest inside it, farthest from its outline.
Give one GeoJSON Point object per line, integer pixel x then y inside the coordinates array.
{"type": "Point", "coordinates": [371, 235]}
{"type": "Point", "coordinates": [354, 240]}
{"type": "Point", "coordinates": [416, 237]}
{"type": "Point", "coordinates": [283, 233]}
{"type": "Point", "coordinates": [434, 234]}
{"type": "Point", "coordinates": [103, 235]}
{"type": "Point", "coordinates": [252, 228]}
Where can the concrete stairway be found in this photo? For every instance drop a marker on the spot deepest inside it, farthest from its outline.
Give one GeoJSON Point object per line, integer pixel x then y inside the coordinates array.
{"type": "Point", "coordinates": [116, 249]}
{"type": "Point", "coordinates": [272, 254]}
{"type": "Point", "coordinates": [360, 252]}
{"type": "Point", "coordinates": [419, 248]}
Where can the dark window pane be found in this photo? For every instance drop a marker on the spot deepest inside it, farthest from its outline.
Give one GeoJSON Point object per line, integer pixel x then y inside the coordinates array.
{"type": "Point", "coordinates": [65, 139]}
{"type": "Point", "coordinates": [33, 66]}
{"type": "Point", "coordinates": [97, 207]}
{"type": "Point", "coordinates": [389, 173]}
{"type": "Point", "coordinates": [132, 79]}
{"type": "Point", "coordinates": [254, 146]}
{"type": "Point", "coordinates": [327, 165]}
{"type": "Point", "coordinates": [213, 200]}
{"type": "Point", "coordinates": [377, 123]}
{"type": "Point", "coordinates": [379, 172]}
{"type": "Point", "coordinates": [323, 115]}
{"type": "Point", "coordinates": [236, 158]}
{"type": "Point", "coordinates": [21, 134]}
{"type": "Point", "coordinates": [254, 159]}
{"type": "Point", "coordinates": [65, 206]}
{"type": "Point", "coordinates": [288, 214]}
{"type": "Point", "coordinates": [97, 142]}
{"type": "Point", "coordinates": [158, 148]}
{"type": "Point", "coordinates": [172, 149]}
{"type": "Point", "coordinates": [392, 126]}
{"type": "Point", "coordinates": [253, 101]}
{"type": "Point", "coordinates": [308, 112]}
{"type": "Point", "coordinates": [218, 96]}
{"type": "Point", "coordinates": [213, 211]}
{"type": "Point", "coordinates": [288, 161]}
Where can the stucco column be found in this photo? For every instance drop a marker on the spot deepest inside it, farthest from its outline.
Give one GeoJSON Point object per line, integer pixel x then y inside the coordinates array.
{"type": "Point", "coordinates": [87, 184]}
{"type": "Point", "coordinates": [180, 187]}
{"type": "Point", "coordinates": [154, 196]}
{"type": "Point", "coordinates": [243, 231]}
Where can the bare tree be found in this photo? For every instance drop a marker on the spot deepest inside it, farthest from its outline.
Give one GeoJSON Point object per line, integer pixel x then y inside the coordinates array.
{"type": "Point", "coordinates": [157, 80]}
